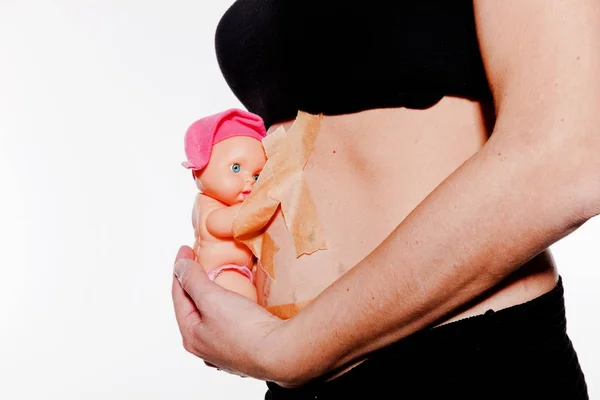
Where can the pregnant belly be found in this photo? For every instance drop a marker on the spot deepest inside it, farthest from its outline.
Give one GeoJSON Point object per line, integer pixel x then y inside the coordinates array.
{"type": "Point", "coordinates": [366, 173]}
{"type": "Point", "coordinates": [356, 213]}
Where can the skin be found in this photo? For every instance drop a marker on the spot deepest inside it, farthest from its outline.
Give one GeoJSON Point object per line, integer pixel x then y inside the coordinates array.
{"type": "Point", "coordinates": [475, 212]}
{"type": "Point", "coordinates": [224, 184]}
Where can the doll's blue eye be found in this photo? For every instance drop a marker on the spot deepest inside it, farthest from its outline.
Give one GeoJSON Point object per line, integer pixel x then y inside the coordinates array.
{"type": "Point", "coordinates": [255, 177]}
{"type": "Point", "coordinates": [236, 168]}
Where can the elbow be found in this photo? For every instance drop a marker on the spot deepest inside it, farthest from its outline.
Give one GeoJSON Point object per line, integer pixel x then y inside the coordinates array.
{"type": "Point", "coordinates": [574, 172]}
{"type": "Point", "coordinates": [216, 228]}
{"type": "Point", "coordinates": [587, 192]}
{"type": "Point", "coordinates": [218, 231]}
{"type": "Point", "coordinates": [557, 165]}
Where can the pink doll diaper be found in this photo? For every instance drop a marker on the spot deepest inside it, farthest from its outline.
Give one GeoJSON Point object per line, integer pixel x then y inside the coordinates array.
{"type": "Point", "coordinates": [213, 273]}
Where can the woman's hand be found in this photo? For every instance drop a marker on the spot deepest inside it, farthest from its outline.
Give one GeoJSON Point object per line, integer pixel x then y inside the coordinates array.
{"type": "Point", "coordinates": [225, 329]}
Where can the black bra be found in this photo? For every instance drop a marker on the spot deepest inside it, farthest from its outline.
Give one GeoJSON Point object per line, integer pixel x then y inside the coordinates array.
{"type": "Point", "coordinates": [338, 57]}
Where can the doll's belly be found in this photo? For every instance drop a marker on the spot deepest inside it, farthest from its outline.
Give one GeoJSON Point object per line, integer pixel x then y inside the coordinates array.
{"type": "Point", "coordinates": [212, 254]}
{"type": "Point", "coordinates": [367, 172]}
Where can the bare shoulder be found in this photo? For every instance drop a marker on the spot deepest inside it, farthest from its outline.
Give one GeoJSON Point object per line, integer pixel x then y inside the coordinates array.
{"type": "Point", "coordinates": [208, 202]}
{"type": "Point", "coordinates": [539, 48]}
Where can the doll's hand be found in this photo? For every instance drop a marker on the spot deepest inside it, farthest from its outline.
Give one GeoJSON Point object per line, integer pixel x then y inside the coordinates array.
{"type": "Point", "coordinates": [225, 329]}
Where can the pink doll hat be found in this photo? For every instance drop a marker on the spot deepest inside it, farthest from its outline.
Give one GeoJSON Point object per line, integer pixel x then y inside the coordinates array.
{"type": "Point", "coordinates": [203, 134]}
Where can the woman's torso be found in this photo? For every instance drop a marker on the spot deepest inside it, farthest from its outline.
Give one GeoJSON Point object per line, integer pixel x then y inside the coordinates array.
{"type": "Point", "coordinates": [406, 101]}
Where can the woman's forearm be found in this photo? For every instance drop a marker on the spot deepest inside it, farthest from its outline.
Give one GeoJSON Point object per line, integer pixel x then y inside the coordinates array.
{"type": "Point", "coordinates": [511, 200]}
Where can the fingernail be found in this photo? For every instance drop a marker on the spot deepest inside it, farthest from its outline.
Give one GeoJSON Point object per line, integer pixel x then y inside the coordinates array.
{"type": "Point", "coordinates": [180, 267]}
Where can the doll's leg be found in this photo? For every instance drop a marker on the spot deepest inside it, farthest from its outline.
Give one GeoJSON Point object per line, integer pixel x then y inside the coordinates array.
{"type": "Point", "coordinates": [235, 278]}
{"type": "Point", "coordinates": [236, 282]}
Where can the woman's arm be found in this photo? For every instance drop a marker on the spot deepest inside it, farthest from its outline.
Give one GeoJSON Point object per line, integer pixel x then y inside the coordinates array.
{"type": "Point", "coordinates": [535, 181]}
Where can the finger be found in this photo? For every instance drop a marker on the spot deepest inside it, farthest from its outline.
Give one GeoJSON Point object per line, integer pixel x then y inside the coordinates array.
{"type": "Point", "coordinates": [185, 252]}
{"type": "Point", "coordinates": [184, 307]}
{"type": "Point", "coordinates": [194, 281]}
{"type": "Point", "coordinates": [186, 313]}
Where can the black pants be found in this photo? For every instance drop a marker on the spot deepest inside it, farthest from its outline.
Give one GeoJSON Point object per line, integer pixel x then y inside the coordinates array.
{"type": "Point", "coordinates": [521, 352]}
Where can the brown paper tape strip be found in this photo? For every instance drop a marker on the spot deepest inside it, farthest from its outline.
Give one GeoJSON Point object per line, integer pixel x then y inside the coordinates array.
{"type": "Point", "coordinates": [268, 250]}
{"type": "Point", "coordinates": [286, 311]}
{"type": "Point", "coordinates": [281, 184]}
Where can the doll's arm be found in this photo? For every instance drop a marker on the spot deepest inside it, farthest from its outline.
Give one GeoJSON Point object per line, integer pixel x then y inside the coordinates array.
{"type": "Point", "coordinates": [535, 181]}
{"type": "Point", "coordinates": [219, 222]}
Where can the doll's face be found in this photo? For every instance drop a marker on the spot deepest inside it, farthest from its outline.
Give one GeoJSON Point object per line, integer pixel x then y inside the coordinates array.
{"type": "Point", "coordinates": [232, 170]}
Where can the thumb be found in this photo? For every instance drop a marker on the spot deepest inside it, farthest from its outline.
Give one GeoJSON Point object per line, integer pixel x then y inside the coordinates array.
{"type": "Point", "coordinates": [193, 280]}
{"type": "Point", "coordinates": [185, 252]}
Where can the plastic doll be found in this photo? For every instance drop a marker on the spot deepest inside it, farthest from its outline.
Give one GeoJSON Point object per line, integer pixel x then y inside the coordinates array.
{"type": "Point", "coordinates": [226, 155]}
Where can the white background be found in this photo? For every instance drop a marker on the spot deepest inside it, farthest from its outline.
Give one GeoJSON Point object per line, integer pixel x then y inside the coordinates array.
{"type": "Point", "coordinates": [94, 99]}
